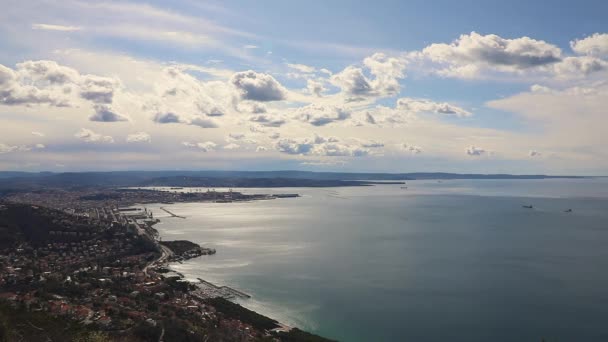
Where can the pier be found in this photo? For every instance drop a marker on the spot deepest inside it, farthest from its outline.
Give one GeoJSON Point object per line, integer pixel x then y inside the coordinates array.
{"type": "Point", "coordinates": [222, 291]}
{"type": "Point", "coordinates": [170, 213]}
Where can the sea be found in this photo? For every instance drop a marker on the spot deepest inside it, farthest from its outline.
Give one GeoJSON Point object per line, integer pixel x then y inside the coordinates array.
{"type": "Point", "coordinates": [450, 260]}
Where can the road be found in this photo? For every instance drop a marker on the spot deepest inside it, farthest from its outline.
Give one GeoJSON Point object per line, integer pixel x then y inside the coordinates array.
{"type": "Point", "coordinates": [165, 253]}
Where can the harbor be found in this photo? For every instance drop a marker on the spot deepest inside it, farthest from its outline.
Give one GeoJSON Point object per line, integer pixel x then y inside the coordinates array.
{"type": "Point", "coordinates": [209, 290]}
{"type": "Point", "coordinates": [172, 214]}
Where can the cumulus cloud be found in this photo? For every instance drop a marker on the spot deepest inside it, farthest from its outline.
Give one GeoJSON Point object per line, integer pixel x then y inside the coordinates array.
{"type": "Point", "coordinates": [468, 55]}
{"type": "Point", "coordinates": [88, 135]}
{"type": "Point", "coordinates": [231, 146]}
{"type": "Point", "coordinates": [428, 106]}
{"type": "Point", "coordinates": [38, 134]}
{"type": "Point", "coordinates": [207, 146]}
{"type": "Point", "coordinates": [98, 89]}
{"type": "Point", "coordinates": [166, 117]}
{"type": "Point", "coordinates": [235, 136]}
{"type": "Point", "coordinates": [475, 151]}
{"type": "Point", "coordinates": [268, 120]}
{"type": "Point", "coordinates": [386, 72]}
{"type": "Point", "coordinates": [319, 115]}
{"type": "Point", "coordinates": [4, 148]}
{"type": "Point", "coordinates": [594, 45]}
{"type": "Point", "coordinates": [47, 82]}
{"type": "Point", "coordinates": [252, 107]}
{"type": "Point", "coordinates": [411, 148]}
{"type": "Point", "coordinates": [203, 122]}
{"type": "Point", "coordinates": [320, 146]}
{"type": "Point", "coordinates": [578, 67]}
{"type": "Point", "coordinates": [315, 88]}
{"type": "Point", "coordinates": [20, 88]}
{"type": "Point", "coordinates": [261, 149]}
{"type": "Point", "coordinates": [371, 144]}
{"type": "Point", "coordinates": [204, 147]}
{"type": "Point", "coordinates": [49, 71]}
{"type": "Point", "coordinates": [105, 113]}
{"type": "Point", "coordinates": [139, 137]}
{"type": "Point", "coordinates": [353, 82]}
{"type": "Point", "coordinates": [258, 86]}
{"type": "Point", "coordinates": [383, 116]}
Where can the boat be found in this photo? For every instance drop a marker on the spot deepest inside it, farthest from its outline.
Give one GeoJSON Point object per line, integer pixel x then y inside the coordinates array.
{"type": "Point", "coordinates": [527, 206]}
{"type": "Point", "coordinates": [568, 210]}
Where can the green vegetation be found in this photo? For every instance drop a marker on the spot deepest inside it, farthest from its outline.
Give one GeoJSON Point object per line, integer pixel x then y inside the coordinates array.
{"type": "Point", "coordinates": [297, 335]}
{"type": "Point", "coordinates": [235, 311]}
{"type": "Point", "coordinates": [20, 325]}
{"type": "Point", "coordinates": [180, 246]}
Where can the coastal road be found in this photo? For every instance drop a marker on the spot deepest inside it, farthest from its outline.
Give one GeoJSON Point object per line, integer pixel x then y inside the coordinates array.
{"type": "Point", "coordinates": [165, 253]}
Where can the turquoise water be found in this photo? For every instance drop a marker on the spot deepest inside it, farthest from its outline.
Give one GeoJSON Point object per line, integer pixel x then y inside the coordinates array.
{"type": "Point", "coordinates": [449, 261]}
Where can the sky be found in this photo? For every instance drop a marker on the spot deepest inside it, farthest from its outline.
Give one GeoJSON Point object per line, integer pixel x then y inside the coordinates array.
{"type": "Point", "coordinates": [385, 86]}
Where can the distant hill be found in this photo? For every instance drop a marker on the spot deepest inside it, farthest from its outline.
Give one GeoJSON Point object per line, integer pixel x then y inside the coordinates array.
{"type": "Point", "coordinates": [15, 181]}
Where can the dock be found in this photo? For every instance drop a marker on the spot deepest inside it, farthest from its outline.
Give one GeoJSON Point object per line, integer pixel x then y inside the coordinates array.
{"type": "Point", "coordinates": [222, 291]}
{"type": "Point", "coordinates": [170, 213]}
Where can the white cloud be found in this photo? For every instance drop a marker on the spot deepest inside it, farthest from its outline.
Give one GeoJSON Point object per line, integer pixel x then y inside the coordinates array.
{"type": "Point", "coordinates": [4, 148]}
{"type": "Point", "coordinates": [469, 55]}
{"type": "Point", "coordinates": [302, 68]}
{"type": "Point", "coordinates": [411, 148]}
{"type": "Point", "coordinates": [250, 47]}
{"type": "Point", "coordinates": [258, 86]}
{"type": "Point", "coordinates": [139, 137]}
{"type": "Point", "coordinates": [320, 146]}
{"type": "Point", "coordinates": [315, 88]}
{"type": "Point", "coordinates": [88, 135]}
{"type": "Point", "coordinates": [428, 106]}
{"type": "Point", "coordinates": [39, 134]}
{"type": "Point", "coordinates": [231, 146]}
{"type": "Point", "coordinates": [252, 107]}
{"type": "Point", "coordinates": [578, 67]}
{"type": "Point", "coordinates": [594, 45]}
{"type": "Point", "coordinates": [353, 82]}
{"type": "Point", "coordinates": [319, 115]}
{"type": "Point", "coordinates": [372, 144]}
{"type": "Point", "coordinates": [207, 146]}
{"type": "Point", "coordinates": [268, 120]}
{"type": "Point", "coordinates": [475, 151]}
{"type": "Point", "coordinates": [53, 27]}
{"type": "Point", "coordinates": [203, 122]}
{"type": "Point", "coordinates": [105, 113]}
{"type": "Point", "coordinates": [386, 71]}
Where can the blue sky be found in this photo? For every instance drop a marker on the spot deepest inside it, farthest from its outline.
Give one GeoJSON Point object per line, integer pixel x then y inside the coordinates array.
{"type": "Point", "coordinates": [462, 86]}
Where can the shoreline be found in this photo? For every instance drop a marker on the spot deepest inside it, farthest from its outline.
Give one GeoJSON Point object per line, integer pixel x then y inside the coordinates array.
{"type": "Point", "coordinates": [204, 289]}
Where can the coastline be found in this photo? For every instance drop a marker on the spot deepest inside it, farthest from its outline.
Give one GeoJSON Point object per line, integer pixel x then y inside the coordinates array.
{"type": "Point", "coordinates": [204, 288]}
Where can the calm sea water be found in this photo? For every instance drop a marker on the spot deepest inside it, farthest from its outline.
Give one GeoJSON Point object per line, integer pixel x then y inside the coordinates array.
{"type": "Point", "coordinates": [449, 261]}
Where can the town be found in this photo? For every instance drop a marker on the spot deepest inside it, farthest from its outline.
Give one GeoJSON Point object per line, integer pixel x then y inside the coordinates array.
{"type": "Point", "coordinates": [102, 272]}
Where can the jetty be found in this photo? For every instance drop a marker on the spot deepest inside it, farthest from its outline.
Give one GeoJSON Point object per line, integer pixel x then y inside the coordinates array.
{"type": "Point", "coordinates": [221, 291]}
{"type": "Point", "coordinates": [170, 213]}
